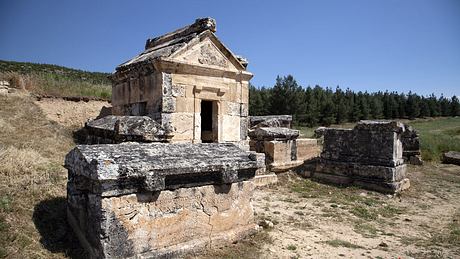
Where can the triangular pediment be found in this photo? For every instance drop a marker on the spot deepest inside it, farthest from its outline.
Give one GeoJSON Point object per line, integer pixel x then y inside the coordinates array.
{"type": "Point", "coordinates": [208, 51]}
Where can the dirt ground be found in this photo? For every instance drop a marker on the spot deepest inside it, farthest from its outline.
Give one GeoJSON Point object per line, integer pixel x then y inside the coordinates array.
{"type": "Point", "coordinates": [70, 114]}
{"type": "Point", "coordinates": [313, 220]}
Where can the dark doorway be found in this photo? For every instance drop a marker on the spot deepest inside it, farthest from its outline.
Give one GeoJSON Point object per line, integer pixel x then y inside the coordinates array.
{"type": "Point", "coordinates": [207, 121]}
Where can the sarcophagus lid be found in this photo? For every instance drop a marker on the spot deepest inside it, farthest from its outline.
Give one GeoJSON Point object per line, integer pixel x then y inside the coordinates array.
{"type": "Point", "coordinates": [117, 169]}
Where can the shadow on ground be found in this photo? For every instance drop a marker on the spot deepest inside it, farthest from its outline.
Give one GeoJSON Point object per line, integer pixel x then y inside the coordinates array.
{"type": "Point", "coordinates": [56, 235]}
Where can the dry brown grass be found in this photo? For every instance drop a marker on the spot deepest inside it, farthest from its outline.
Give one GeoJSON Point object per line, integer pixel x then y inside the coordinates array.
{"type": "Point", "coordinates": [32, 182]}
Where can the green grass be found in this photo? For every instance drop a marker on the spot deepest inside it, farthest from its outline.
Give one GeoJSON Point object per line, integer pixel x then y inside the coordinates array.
{"type": "Point", "coordinates": [438, 136]}
{"type": "Point", "coordinates": [291, 247]}
{"type": "Point", "coordinates": [342, 243]}
{"type": "Point", "coordinates": [451, 235]}
{"type": "Point", "coordinates": [45, 79]}
{"type": "Point", "coordinates": [368, 207]}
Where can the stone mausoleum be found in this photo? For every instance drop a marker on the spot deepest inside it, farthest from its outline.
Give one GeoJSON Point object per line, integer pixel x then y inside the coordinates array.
{"type": "Point", "coordinates": [190, 83]}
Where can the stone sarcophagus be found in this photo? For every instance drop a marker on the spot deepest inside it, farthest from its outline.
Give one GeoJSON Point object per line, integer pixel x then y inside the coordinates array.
{"type": "Point", "coordinates": [282, 148]}
{"type": "Point", "coordinates": [369, 155]}
{"type": "Point", "coordinates": [158, 199]}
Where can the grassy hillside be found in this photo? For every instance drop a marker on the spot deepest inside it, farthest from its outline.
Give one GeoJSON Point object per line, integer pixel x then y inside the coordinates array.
{"type": "Point", "coordinates": [32, 182]}
{"type": "Point", "coordinates": [45, 79]}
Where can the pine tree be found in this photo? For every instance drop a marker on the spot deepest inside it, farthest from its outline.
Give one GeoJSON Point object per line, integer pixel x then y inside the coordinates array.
{"type": "Point", "coordinates": [454, 106]}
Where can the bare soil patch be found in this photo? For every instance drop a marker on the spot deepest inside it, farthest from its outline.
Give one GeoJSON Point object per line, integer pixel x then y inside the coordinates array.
{"type": "Point", "coordinates": [71, 114]}
{"type": "Point", "coordinates": [314, 220]}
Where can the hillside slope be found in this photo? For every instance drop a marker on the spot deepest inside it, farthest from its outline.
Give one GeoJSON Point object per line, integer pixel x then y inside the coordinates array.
{"type": "Point", "coordinates": [53, 80]}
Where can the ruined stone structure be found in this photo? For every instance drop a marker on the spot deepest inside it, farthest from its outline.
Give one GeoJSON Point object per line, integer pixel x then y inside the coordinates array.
{"type": "Point", "coordinates": [117, 129]}
{"type": "Point", "coordinates": [451, 157]}
{"type": "Point", "coordinates": [282, 148]}
{"type": "Point", "coordinates": [369, 155]}
{"type": "Point", "coordinates": [280, 121]}
{"type": "Point", "coordinates": [411, 146]}
{"type": "Point", "coordinates": [188, 81]}
{"type": "Point", "coordinates": [159, 199]}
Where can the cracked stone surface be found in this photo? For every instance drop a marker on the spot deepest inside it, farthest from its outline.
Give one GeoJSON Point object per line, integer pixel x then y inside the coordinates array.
{"type": "Point", "coordinates": [273, 133]}
{"type": "Point", "coordinates": [159, 199]}
{"type": "Point", "coordinates": [369, 155]}
{"type": "Point", "coordinates": [117, 129]}
{"type": "Point", "coordinates": [270, 121]}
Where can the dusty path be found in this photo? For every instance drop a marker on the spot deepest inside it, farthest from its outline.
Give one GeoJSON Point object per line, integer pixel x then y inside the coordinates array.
{"type": "Point", "coordinates": [312, 220]}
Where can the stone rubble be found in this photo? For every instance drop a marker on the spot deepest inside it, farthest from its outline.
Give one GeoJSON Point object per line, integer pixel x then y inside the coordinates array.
{"type": "Point", "coordinates": [451, 157]}
{"type": "Point", "coordinates": [369, 155]}
{"type": "Point", "coordinates": [411, 146]}
{"type": "Point", "coordinates": [4, 87]}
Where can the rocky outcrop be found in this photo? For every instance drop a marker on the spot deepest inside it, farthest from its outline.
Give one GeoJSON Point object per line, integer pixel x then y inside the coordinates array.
{"type": "Point", "coordinates": [4, 87]}
{"type": "Point", "coordinates": [117, 129]}
{"type": "Point", "coordinates": [451, 157]}
{"type": "Point", "coordinates": [157, 199]}
{"type": "Point", "coordinates": [370, 155]}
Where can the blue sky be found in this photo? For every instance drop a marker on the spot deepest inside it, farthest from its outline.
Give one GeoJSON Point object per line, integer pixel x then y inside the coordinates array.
{"type": "Point", "coordinates": [364, 45]}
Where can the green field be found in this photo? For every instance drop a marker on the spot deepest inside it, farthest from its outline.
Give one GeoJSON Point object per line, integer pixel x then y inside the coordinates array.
{"type": "Point", "coordinates": [437, 135]}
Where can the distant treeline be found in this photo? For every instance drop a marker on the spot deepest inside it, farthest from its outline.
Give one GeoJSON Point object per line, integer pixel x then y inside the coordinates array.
{"type": "Point", "coordinates": [314, 106]}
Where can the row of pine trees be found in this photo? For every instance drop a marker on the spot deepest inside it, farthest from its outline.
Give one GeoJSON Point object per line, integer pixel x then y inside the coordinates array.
{"type": "Point", "coordinates": [314, 106]}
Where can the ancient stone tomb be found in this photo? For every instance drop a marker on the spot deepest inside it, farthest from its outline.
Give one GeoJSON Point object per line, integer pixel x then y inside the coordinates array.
{"type": "Point", "coordinates": [281, 145]}
{"type": "Point", "coordinates": [159, 199]}
{"type": "Point", "coordinates": [369, 155]}
{"type": "Point", "coordinates": [189, 82]}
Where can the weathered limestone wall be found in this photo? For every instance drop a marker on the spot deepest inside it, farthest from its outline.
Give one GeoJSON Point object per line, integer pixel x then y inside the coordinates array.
{"type": "Point", "coordinates": [307, 148]}
{"type": "Point", "coordinates": [113, 129]}
{"type": "Point", "coordinates": [370, 155]}
{"type": "Point", "coordinates": [137, 92]}
{"type": "Point", "coordinates": [159, 199]}
{"type": "Point", "coordinates": [162, 223]}
{"type": "Point", "coordinates": [231, 99]}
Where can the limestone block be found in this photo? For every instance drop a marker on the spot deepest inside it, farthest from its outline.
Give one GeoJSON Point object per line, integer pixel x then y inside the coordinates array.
{"type": "Point", "coordinates": [231, 126]}
{"type": "Point", "coordinates": [244, 110]}
{"type": "Point", "coordinates": [178, 90]}
{"type": "Point", "coordinates": [162, 224]}
{"type": "Point", "coordinates": [243, 128]}
{"type": "Point", "coordinates": [307, 148]}
{"type": "Point", "coordinates": [451, 157]}
{"type": "Point", "coordinates": [185, 104]}
{"type": "Point", "coordinates": [169, 104]}
{"type": "Point", "coordinates": [117, 129]}
{"type": "Point", "coordinates": [167, 84]}
{"type": "Point", "coordinates": [182, 122]}
{"type": "Point", "coordinates": [273, 133]}
{"type": "Point", "coordinates": [369, 155]}
{"type": "Point", "coordinates": [270, 121]}
{"type": "Point", "coordinates": [158, 200]}
{"type": "Point", "coordinates": [233, 109]}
